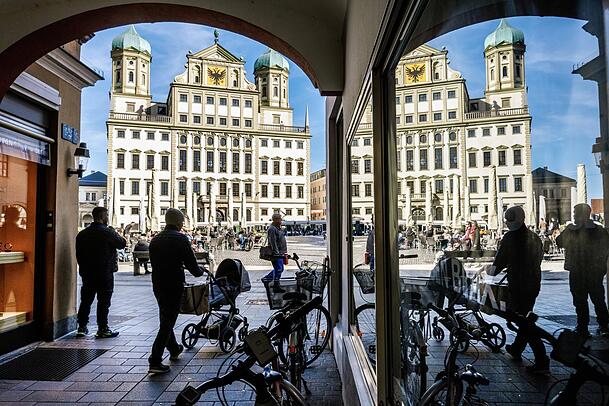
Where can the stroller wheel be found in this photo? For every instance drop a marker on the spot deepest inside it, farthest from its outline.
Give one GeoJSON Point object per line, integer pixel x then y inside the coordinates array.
{"type": "Point", "coordinates": [243, 332]}
{"type": "Point", "coordinates": [228, 339]}
{"type": "Point", "coordinates": [190, 335]}
{"type": "Point", "coordinates": [494, 337]}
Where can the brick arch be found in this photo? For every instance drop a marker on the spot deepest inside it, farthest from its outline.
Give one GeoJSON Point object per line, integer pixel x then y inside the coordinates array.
{"type": "Point", "coordinates": [15, 60]}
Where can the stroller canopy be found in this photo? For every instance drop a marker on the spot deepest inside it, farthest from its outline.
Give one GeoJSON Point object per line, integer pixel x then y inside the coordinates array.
{"type": "Point", "coordinates": [235, 273]}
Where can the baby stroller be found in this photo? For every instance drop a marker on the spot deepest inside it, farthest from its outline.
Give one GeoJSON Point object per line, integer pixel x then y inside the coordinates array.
{"type": "Point", "coordinates": [221, 323]}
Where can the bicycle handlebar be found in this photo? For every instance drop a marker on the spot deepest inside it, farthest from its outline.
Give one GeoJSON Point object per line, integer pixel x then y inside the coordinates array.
{"type": "Point", "coordinates": [284, 327]}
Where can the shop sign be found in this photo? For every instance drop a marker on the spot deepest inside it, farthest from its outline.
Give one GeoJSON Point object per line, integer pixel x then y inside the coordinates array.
{"type": "Point", "coordinates": [21, 146]}
{"type": "Point", "coordinates": [70, 133]}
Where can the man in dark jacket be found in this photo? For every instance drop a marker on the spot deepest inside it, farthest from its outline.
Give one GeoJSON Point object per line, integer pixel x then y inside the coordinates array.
{"type": "Point", "coordinates": [97, 259]}
{"type": "Point", "coordinates": [586, 247]}
{"type": "Point", "coordinates": [277, 242]}
{"type": "Point", "coordinates": [170, 253]}
{"type": "Point", "coordinates": [520, 254]}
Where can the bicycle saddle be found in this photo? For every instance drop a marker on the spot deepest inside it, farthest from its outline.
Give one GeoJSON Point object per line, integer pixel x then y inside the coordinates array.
{"type": "Point", "coordinates": [295, 297]}
{"type": "Point", "coordinates": [272, 376]}
{"type": "Point", "coordinates": [471, 377]}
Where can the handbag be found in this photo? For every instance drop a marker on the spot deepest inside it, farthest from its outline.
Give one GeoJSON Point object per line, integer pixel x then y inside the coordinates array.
{"type": "Point", "coordinates": [195, 299]}
{"type": "Point", "coordinates": [266, 253]}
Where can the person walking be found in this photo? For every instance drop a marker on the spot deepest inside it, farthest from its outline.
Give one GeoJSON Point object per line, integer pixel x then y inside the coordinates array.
{"type": "Point", "coordinates": [520, 254]}
{"type": "Point", "coordinates": [170, 252]}
{"type": "Point", "coordinates": [97, 260]}
{"type": "Point", "coordinates": [369, 255]}
{"type": "Point", "coordinates": [586, 247]}
{"type": "Point", "coordinates": [276, 240]}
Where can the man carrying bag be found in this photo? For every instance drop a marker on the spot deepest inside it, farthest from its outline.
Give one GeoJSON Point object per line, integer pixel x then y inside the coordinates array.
{"type": "Point", "coordinates": [276, 251]}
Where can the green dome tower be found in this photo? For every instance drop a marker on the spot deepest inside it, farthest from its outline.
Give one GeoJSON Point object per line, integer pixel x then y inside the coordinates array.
{"type": "Point", "coordinates": [504, 51]}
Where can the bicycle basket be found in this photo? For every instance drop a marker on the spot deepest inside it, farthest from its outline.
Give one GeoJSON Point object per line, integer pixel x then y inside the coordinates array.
{"type": "Point", "coordinates": [365, 279]}
{"type": "Point", "coordinates": [319, 274]}
{"type": "Point", "coordinates": [276, 289]}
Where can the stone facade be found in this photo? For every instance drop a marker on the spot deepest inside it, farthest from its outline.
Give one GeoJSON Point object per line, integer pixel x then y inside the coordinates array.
{"type": "Point", "coordinates": [318, 195]}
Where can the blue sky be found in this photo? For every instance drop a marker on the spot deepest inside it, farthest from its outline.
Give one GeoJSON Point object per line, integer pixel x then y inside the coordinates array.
{"type": "Point", "coordinates": [564, 106]}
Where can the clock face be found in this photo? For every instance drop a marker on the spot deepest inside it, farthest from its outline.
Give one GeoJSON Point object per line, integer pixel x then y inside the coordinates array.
{"type": "Point", "coordinates": [216, 75]}
{"type": "Point", "coordinates": [415, 73]}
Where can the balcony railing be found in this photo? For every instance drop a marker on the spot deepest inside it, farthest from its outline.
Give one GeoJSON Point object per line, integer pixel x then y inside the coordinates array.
{"type": "Point", "coordinates": [497, 113]}
{"type": "Point", "coordinates": [364, 126]}
{"type": "Point", "coordinates": [283, 128]}
{"type": "Point", "coordinates": [140, 117]}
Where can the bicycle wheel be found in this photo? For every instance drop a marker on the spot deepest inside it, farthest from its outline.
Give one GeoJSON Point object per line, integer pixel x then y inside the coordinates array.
{"type": "Point", "coordinates": [438, 393]}
{"type": "Point", "coordinates": [365, 323]}
{"type": "Point", "coordinates": [414, 365]}
{"type": "Point", "coordinates": [319, 325]}
{"type": "Point", "coordinates": [290, 395]}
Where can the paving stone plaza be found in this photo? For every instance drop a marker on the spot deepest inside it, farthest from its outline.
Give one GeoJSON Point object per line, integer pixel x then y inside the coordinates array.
{"type": "Point", "coordinates": [119, 376]}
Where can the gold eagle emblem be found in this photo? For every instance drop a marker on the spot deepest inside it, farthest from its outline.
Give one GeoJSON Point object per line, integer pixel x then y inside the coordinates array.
{"type": "Point", "coordinates": [415, 73]}
{"type": "Point", "coordinates": [216, 75]}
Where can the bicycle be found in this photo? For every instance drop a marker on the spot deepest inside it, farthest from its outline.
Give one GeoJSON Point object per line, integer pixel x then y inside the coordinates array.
{"type": "Point", "coordinates": [271, 388]}
{"type": "Point", "coordinates": [448, 386]}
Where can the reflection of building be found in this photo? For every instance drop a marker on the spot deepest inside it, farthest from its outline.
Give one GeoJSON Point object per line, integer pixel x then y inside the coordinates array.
{"type": "Point", "coordinates": [318, 195]}
{"type": "Point", "coordinates": [91, 189]}
{"type": "Point", "coordinates": [447, 139]}
{"type": "Point", "coordinates": [38, 200]}
{"type": "Point", "coordinates": [597, 207]}
{"type": "Point", "coordinates": [220, 139]}
{"type": "Point", "coordinates": [556, 189]}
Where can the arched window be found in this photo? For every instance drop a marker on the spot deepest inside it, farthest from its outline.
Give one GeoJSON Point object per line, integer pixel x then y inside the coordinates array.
{"type": "Point", "coordinates": [130, 77]}
{"type": "Point", "coordinates": [210, 141]}
{"type": "Point", "coordinates": [452, 136]}
{"type": "Point", "coordinates": [236, 78]}
{"type": "Point", "coordinates": [197, 140]}
{"type": "Point", "coordinates": [248, 215]}
{"type": "Point", "coordinates": [504, 71]}
{"type": "Point", "coordinates": [409, 140]}
{"type": "Point", "coordinates": [275, 91]}
{"type": "Point", "coordinates": [439, 213]}
{"type": "Point", "coordinates": [223, 141]}
{"type": "Point", "coordinates": [197, 74]}
{"type": "Point", "coordinates": [492, 74]}
{"type": "Point", "coordinates": [118, 76]}
{"type": "Point", "coordinates": [143, 79]}
{"type": "Point", "coordinates": [518, 71]}
{"type": "Point", "coordinates": [263, 91]}
{"type": "Point", "coordinates": [248, 143]}
{"type": "Point", "coordinates": [235, 142]}
{"type": "Point", "coordinates": [235, 215]}
{"type": "Point", "coordinates": [182, 139]}
{"type": "Point", "coordinates": [437, 137]}
{"type": "Point", "coordinates": [284, 93]}
{"type": "Point", "coordinates": [423, 139]}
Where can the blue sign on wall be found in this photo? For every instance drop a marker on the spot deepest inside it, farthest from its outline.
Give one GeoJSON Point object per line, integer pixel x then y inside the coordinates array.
{"type": "Point", "coordinates": [70, 133]}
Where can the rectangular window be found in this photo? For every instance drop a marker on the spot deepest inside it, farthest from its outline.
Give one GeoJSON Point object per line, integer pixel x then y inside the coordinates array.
{"type": "Point", "coordinates": [367, 165]}
{"type": "Point", "coordinates": [437, 116]}
{"type": "Point", "coordinates": [355, 166]}
{"type": "Point", "coordinates": [471, 133]}
{"type": "Point", "coordinates": [355, 190]}
{"type": "Point", "coordinates": [518, 184]}
{"type": "Point", "coordinates": [300, 144]}
{"type": "Point", "coordinates": [486, 185]}
{"type": "Point", "coordinates": [135, 135]}
{"type": "Point", "coordinates": [235, 102]}
{"type": "Point", "coordinates": [120, 161]}
{"type": "Point", "coordinates": [422, 118]}
{"type": "Point", "coordinates": [264, 190]}
{"type": "Point", "coordinates": [453, 159]}
{"type": "Point", "coordinates": [500, 130]}
{"type": "Point", "coordinates": [196, 160]}
{"type": "Point", "coordinates": [300, 168]}
{"type": "Point", "coordinates": [288, 144]}
{"type": "Point", "coordinates": [121, 187]}
{"type": "Point", "coordinates": [397, 99]}
{"type": "Point", "coordinates": [408, 119]}
{"type": "Point", "coordinates": [164, 188]}
{"type": "Point", "coordinates": [276, 170]}
{"type": "Point", "coordinates": [288, 167]}
{"type": "Point", "coordinates": [397, 120]}
{"type": "Point", "coordinates": [248, 103]}
{"type": "Point", "coordinates": [196, 119]}
{"type": "Point", "coordinates": [276, 191]}
{"type": "Point", "coordinates": [222, 191]}
{"type": "Point", "coordinates": [248, 190]}
{"type": "Point", "coordinates": [301, 212]}
{"type": "Point", "coordinates": [288, 191]}
{"type": "Point", "coordinates": [248, 122]}
{"type": "Point", "coordinates": [235, 122]}
{"type": "Point", "coordinates": [164, 162]}
{"type": "Point", "coordinates": [150, 135]}
{"type": "Point", "coordinates": [502, 158]}
{"type": "Point", "coordinates": [183, 162]}
{"type": "Point", "coordinates": [515, 129]}
{"type": "Point", "coordinates": [502, 185]}
{"type": "Point", "coordinates": [264, 142]}
{"type": "Point", "coordinates": [210, 120]}
{"type": "Point", "coordinates": [473, 186]}
{"type": "Point", "coordinates": [471, 156]}
{"type": "Point", "coordinates": [452, 115]}
{"type": "Point", "coordinates": [182, 187]}
{"type": "Point", "coordinates": [408, 99]}
{"type": "Point", "coordinates": [410, 160]}
{"type": "Point", "coordinates": [436, 96]}
{"type": "Point", "coordinates": [164, 136]}
{"type": "Point", "coordinates": [486, 132]}
{"type": "Point", "coordinates": [222, 101]}
{"type": "Point", "coordinates": [149, 161]}
{"type": "Point", "coordinates": [517, 157]}
{"type": "Point", "coordinates": [451, 94]}
{"type": "Point", "coordinates": [135, 161]}
{"type": "Point", "coordinates": [276, 144]}
{"type": "Point", "coordinates": [196, 99]}
{"type": "Point", "coordinates": [486, 155]}
{"type": "Point", "coordinates": [264, 167]}
{"type": "Point", "coordinates": [183, 118]}
{"type": "Point", "coordinates": [367, 142]}
{"type": "Point", "coordinates": [183, 98]}
{"type": "Point", "coordinates": [235, 189]}
{"type": "Point", "coordinates": [210, 161]}
{"type": "Point", "coordinates": [120, 134]}
{"type": "Point", "coordinates": [423, 159]}
{"type": "Point", "coordinates": [248, 163]}
{"type": "Point", "coordinates": [236, 162]}
{"type": "Point", "coordinates": [422, 186]}
{"type": "Point", "coordinates": [135, 187]}
{"type": "Point", "coordinates": [423, 97]}
{"type": "Point", "coordinates": [264, 212]}
{"type": "Point", "coordinates": [368, 189]}
{"type": "Point", "coordinates": [222, 161]}
{"type": "Point", "coordinates": [135, 210]}
{"type": "Point", "coordinates": [438, 158]}
{"type": "Point", "coordinates": [439, 185]}
{"type": "Point", "coordinates": [209, 100]}
{"type": "Point", "coordinates": [301, 192]}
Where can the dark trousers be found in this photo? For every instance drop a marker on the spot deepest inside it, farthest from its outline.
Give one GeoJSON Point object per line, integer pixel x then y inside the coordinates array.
{"type": "Point", "coordinates": [169, 309]}
{"type": "Point", "coordinates": [91, 287]}
{"type": "Point", "coordinates": [522, 303]}
{"type": "Point", "coordinates": [581, 288]}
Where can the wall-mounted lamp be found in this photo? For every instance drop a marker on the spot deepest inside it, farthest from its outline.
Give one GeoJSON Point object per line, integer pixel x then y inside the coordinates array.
{"type": "Point", "coordinates": [81, 159]}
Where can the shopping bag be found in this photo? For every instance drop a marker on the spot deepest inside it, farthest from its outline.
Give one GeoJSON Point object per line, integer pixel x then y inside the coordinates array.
{"type": "Point", "coordinates": [195, 299]}
{"type": "Point", "coordinates": [266, 253]}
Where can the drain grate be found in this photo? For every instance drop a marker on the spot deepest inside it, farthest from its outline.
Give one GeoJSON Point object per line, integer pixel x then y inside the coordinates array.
{"type": "Point", "coordinates": [569, 320]}
{"type": "Point", "coordinates": [48, 364]}
{"type": "Point", "coordinates": [257, 302]}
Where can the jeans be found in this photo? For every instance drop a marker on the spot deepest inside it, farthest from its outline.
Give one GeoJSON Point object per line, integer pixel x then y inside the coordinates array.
{"type": "Point", "coordinates": [169, 309]}
{"type": "Point", "coordinates": [91, 287]}
{"type": "Point", "coordinates": [522, 303]}
{"type": "Point", "coordinates": [242, 242]}
{"type": "Point", "coordinates": [582, 287]}
{"type": "Point", "coordinates": [275, 274]}
{"type": "Point", "coordinates": [371, 259]}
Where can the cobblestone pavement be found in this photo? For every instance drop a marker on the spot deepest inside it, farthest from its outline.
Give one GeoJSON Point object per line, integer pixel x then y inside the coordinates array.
{"type": "Point", "coordinates": [119, 376]}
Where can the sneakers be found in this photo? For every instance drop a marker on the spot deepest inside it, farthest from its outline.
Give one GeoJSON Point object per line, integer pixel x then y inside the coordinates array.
{"type": "Point", "coordinates": [158, 369]}
{"type": "Point", "coordinates": [603, 331]}
{"type": "Point", "coordinates": [582, 331]}
{"type": "Point", "coordinates": [82, 331]}
{"type": "Point", "coordinates": [516, 356]}
{"type": "Point", "coordinates": [106, 333]}
{"type": "Point", "coordinates": [176, 355]}
{"type": "Point", "coordinates": [539, 367]}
